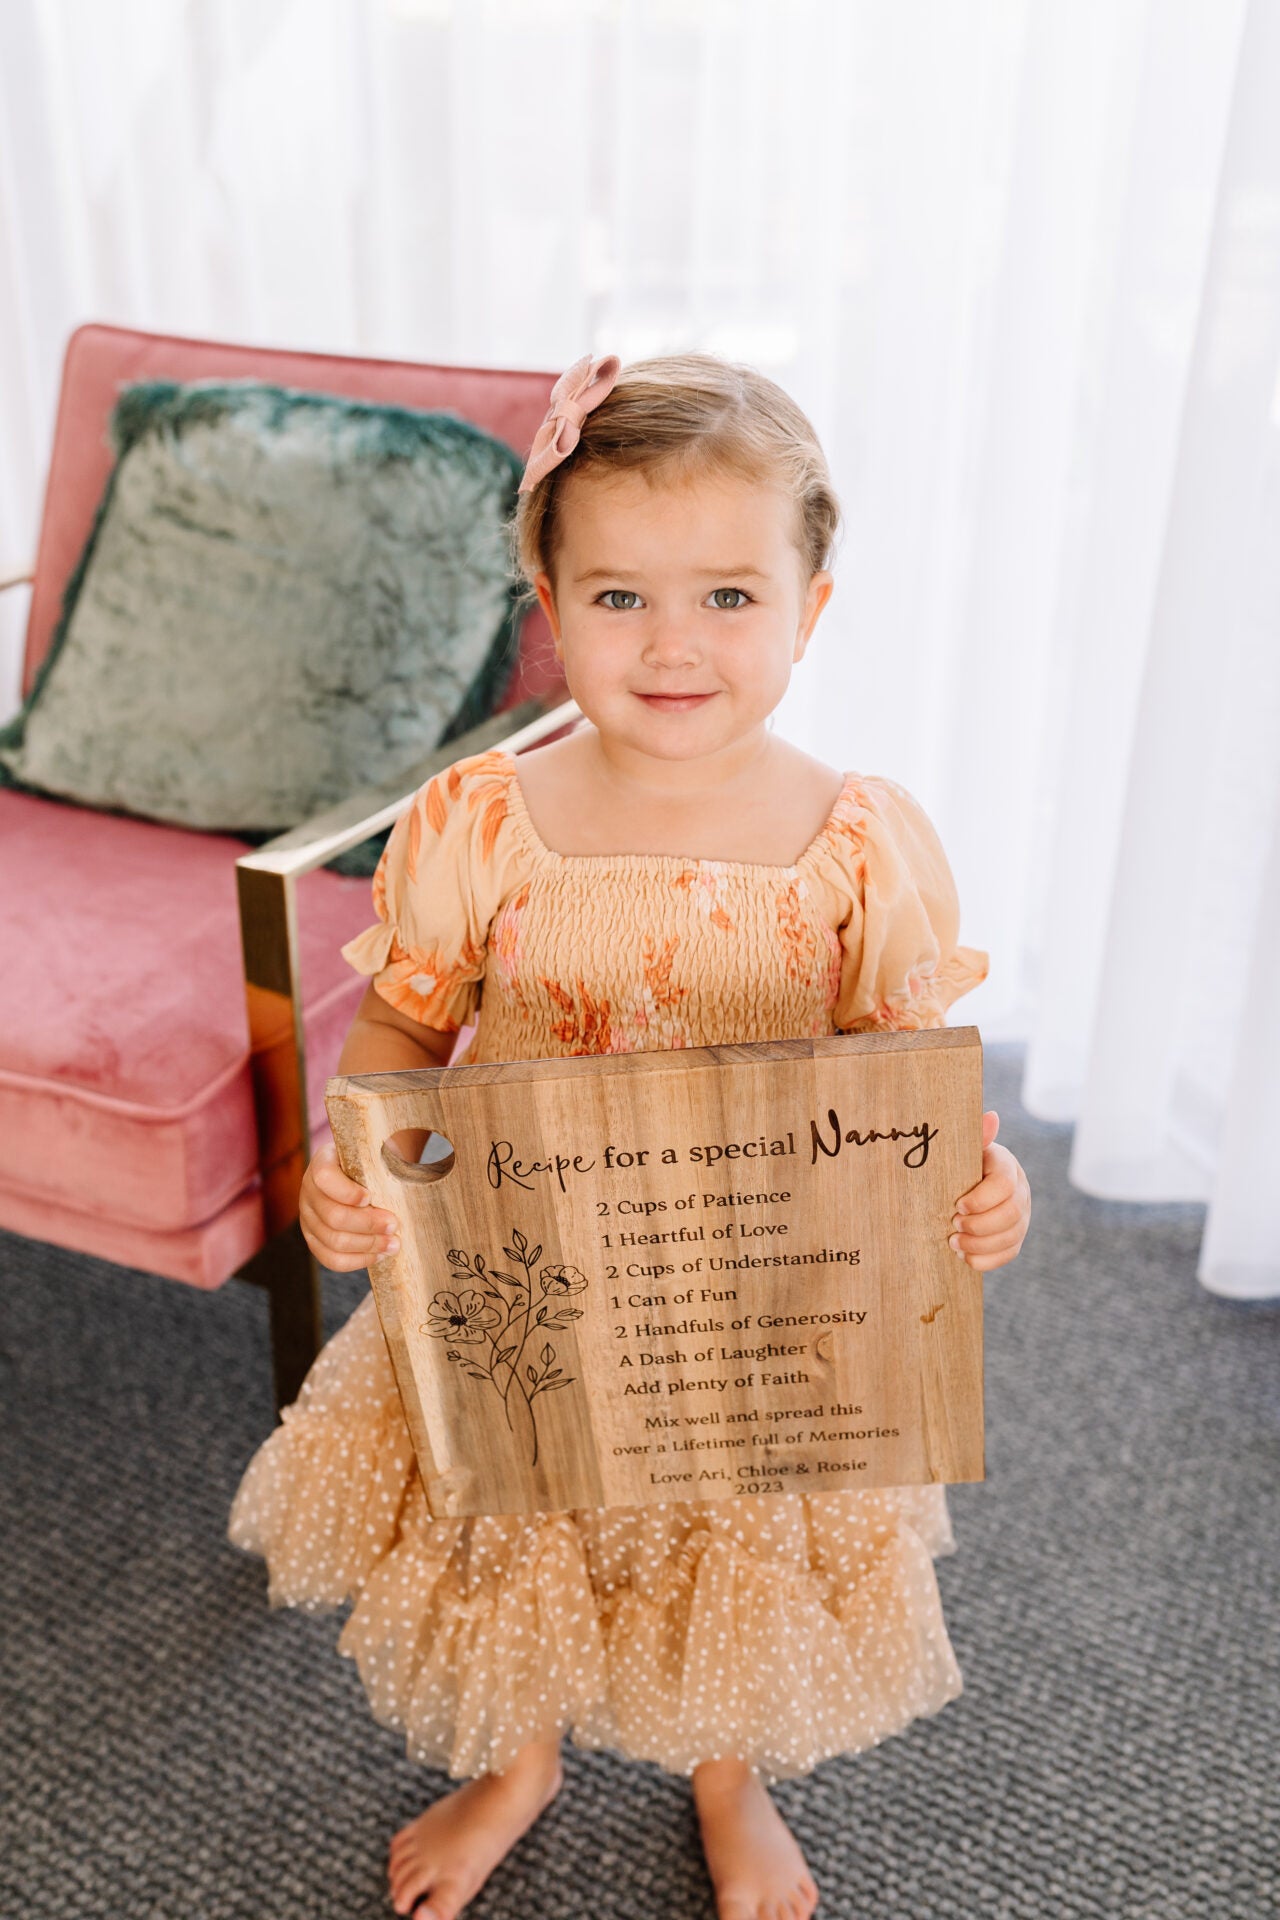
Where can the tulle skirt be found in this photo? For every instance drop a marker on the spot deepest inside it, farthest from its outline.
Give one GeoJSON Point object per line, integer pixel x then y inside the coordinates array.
{"type": "Point", "coordinates": [777, 1629]}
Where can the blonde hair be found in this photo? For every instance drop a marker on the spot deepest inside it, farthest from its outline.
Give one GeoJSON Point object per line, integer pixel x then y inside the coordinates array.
{"type": "Point", "coordinates": [676, 415]}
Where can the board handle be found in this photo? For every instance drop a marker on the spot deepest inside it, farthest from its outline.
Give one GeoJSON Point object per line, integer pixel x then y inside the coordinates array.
{"type": "Point", "coordinates": [362, 1142]}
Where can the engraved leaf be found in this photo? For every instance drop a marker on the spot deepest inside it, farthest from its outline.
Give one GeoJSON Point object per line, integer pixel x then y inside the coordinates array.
{"type": "Point", "coordinates": [505, 1354]}
{"type": "Point", "coordinates": [453, 1354]}
{"type": "Point", "coordinates": [548, 1355]}
{"type": "Point", "coordinates": [551, 1386]}
{"type": "Point", "coordinates": [555, 1373]}
{"type": "Point", "coordinates": [571, 1313]}
{"type": "Point", "coordinates": [534, 1255]}
{"type": "Point", "coordinates": [519, 1239]}
{"type": "Point", "coordinates": [476, 1374]}
{"type": "Point", "coordinates": [532, 1372]}
{"type": "Point", "coordinates": [540, 1316]}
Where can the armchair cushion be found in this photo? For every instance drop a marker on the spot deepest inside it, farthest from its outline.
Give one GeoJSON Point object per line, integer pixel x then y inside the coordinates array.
{"type": "Point", "coordinates": [126, 1092]}
{"type": "Point", "coordinates": [284, 594]}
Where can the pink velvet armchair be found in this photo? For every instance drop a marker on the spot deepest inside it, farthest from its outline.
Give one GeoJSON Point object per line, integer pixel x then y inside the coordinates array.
{"type": "Point", "coordinates": [175, 1001]}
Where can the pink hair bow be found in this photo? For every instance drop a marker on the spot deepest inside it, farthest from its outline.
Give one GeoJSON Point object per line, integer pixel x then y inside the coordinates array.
{"type": "Point", "coordinates": [579, 388]}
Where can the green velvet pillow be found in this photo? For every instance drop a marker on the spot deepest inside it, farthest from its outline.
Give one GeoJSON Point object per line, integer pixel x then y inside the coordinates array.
{"type": "Point", "coordinates": [286, 596]}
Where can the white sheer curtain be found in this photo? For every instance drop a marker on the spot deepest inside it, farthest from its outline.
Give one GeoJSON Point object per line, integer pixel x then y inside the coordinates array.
{"type": "Point", "coordinates": [1019, 260]}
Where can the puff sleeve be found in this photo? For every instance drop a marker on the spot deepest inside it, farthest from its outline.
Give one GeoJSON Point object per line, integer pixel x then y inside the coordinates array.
{"type": "Point", "coordinates": [439, 882]}
{"type": "Point", "coordinates": [900, 964]}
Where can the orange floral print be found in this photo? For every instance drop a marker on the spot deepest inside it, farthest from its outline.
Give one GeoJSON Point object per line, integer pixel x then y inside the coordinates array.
{"type": "Point", "coordinates": [423, 983]}
{"type": "Point", "coordinates": [415, 835]}
{"type": "Point", "coordinates": [835, 969]}
{"type": "Point", "coordinates": [504, 936]}
{"type": "Point", "coordinates": [486, 778]}
{"type": "Point", "coordinates": [923, 1002]}
{"type": "Point", "coordinates": [585, 1028]}
{"type": "Point", "coordinates": [657, 973]}
{"type": "Point", "coordinates": [489, 777]}
{"type": "Point", "coordinates": [907, 1009]}
{"type": "Point", "coordinates": [798, 941]}
{"type": "Point", "coordinates": [379, 889]}
{"type": "Point", "coordinates": [506, 944]}
{"type": "Point", "coordinates": [712, 883]}
{"type": "Point", "coordinates": [852, 831]}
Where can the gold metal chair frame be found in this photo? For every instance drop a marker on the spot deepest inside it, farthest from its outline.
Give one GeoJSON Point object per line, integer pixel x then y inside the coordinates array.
{"type": "Point", "coordinates": [266, 885]}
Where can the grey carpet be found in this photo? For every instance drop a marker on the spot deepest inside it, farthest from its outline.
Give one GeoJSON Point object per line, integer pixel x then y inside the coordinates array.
{"type": "Point", "coordinates": [170, 1748]}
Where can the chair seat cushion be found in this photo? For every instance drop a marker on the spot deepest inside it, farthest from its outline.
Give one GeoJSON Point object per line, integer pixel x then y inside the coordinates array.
{"type": "Point", "coordinates": [125, 1088]}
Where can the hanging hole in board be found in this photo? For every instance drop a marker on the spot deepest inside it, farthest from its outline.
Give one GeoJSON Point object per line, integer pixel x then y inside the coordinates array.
{"type": "Point", "coordinates": [436, 1163]}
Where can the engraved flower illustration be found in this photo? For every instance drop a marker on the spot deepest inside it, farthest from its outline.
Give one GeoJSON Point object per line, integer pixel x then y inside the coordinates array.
{"type": "Point", "coordinates": [506, 1301]}
{"type": "Point", "coordinates": [461, 1316]}
{"type": "Point", "coordinates": [562, 1280]}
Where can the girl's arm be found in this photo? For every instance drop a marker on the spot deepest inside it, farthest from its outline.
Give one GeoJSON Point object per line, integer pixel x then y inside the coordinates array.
{"type": "Point", "coordinates": [338, 1222]}
{"type": "Point", "coordinates": [381, 1039]}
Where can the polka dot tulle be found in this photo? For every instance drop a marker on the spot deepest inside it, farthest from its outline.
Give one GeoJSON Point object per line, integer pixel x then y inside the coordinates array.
{"type": "Point", "coordinates": [777, 1628]}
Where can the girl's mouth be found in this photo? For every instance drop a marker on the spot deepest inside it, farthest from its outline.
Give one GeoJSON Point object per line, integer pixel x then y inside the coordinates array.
{"type": "Point", "coordinates": [674, 702]}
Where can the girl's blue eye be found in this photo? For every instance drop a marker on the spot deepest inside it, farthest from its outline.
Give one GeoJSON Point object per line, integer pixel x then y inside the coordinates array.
{"type": "Point", "coordinates": [743, 599]}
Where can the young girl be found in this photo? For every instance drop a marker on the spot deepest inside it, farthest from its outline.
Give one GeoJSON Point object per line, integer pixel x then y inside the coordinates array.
{"type": "Point", "coordinates": [670, 874]}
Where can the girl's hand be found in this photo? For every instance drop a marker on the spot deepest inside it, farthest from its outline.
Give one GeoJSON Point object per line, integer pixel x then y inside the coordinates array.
{"type": "Point", "coordinates": [338, 1220]}
{"type": "Point", "coordinates": [992, 1218]}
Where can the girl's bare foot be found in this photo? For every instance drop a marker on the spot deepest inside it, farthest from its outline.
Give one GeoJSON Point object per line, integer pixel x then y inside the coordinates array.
{"type": "Point", "coordinates": [756, 1866]}
{"type": "Point", "coordinates": [442, 1859]}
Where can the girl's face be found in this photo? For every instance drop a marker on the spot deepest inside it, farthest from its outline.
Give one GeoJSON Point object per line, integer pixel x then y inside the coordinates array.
{"type": "Point", "coordinates": [678, 609]}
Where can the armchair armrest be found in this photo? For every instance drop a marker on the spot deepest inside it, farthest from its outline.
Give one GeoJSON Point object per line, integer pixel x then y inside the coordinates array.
{"type": "Point", "coordinates": [22, 578]}
{"type": "Point", "coordinates": [329, 833]}
{"type": "Point", "coordinates": [266, 880]}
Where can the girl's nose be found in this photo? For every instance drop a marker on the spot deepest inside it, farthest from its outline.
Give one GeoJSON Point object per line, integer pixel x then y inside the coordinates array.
{"type": "Point", "coordinates": [670, 643]}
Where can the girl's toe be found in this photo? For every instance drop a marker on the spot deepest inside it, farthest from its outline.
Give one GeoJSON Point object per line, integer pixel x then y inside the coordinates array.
{"type": "Point", "coordinates": [445, 1901]}
{"type": "Point", "coordinates": [403, 1891]}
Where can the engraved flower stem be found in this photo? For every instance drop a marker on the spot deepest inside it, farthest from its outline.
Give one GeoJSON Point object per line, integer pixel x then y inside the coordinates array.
{"type": "Point", "coordinates": [513, 1376]}
{"type": "Point", "coordinates": [527, 1264]}
{"type": "Point", "coordinates": [528, 1312]}
{"type": "Point", "coordinates": [513, 1365]}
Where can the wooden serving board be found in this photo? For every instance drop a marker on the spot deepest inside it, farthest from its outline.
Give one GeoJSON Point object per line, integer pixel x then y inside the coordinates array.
{"type": "Point", "coordinates": [703, 1273]}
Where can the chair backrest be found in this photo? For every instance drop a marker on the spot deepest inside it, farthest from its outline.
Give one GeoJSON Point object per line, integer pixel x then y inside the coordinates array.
{"type": "Point", "coordinates": [509, 403]}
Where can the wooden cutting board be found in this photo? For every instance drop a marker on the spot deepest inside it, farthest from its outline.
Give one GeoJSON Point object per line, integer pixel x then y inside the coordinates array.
{"type": "Point", "coordinates": [703, 1273]}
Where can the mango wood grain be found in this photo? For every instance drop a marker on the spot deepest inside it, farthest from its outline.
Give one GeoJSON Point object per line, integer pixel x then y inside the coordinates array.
{"type": "Point", "coordinates": [697, 1273]}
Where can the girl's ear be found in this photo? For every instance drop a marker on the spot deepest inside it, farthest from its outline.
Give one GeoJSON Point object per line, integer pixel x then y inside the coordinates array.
{"type": "Point", "coordinates": [546, 599]}
{"type": "Point", "coordinates": [821, 587]}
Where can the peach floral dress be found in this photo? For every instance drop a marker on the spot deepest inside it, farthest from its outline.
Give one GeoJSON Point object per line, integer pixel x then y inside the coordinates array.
{"type": "Point", "coordinates": [781, 1629]}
